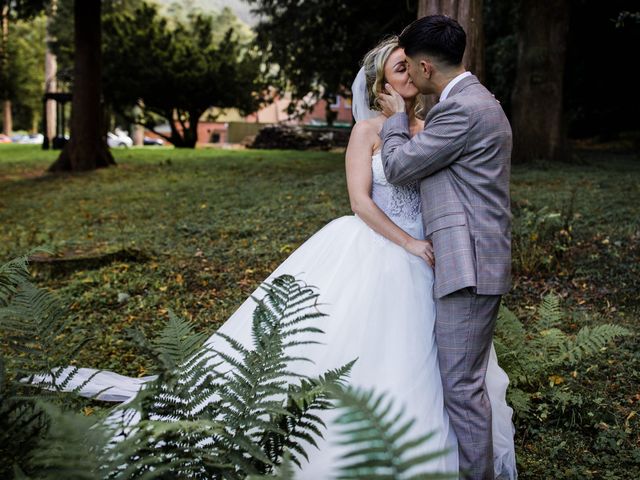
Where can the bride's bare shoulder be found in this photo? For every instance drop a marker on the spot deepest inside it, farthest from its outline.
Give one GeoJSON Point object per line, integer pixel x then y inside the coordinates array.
{"type": "Point", "coordinates": [370, 126]}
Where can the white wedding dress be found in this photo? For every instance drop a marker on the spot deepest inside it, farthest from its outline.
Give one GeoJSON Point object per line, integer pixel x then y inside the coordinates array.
{"type": "Point", "coordinates": [380, 308]}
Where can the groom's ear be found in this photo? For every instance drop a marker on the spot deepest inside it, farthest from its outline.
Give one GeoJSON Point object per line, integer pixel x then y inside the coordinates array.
{"type": "Point", "coordinates": [426, 67]}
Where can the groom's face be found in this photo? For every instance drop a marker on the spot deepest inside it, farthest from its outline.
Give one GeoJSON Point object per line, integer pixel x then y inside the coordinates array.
{"type": "Point", "coordinates": [420, 70]}
{"type": "Point", "coordinates": [397, 75]}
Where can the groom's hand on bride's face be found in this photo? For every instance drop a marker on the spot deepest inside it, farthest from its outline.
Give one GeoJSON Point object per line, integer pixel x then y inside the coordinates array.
{"type": "Point", "coordinates": [391, 102]}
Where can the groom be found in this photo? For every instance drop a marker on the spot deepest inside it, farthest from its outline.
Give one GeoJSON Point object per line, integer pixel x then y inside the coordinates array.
{"type": "Point", "coordinates": [462, 160]}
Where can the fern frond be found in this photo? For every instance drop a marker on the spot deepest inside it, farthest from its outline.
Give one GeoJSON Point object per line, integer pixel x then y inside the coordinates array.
{"type": "Point", "coordinates": [15, 272]}
{"type": "Point", "coordinates": [283, 472]}
{"type": "Point", "coordinates": [590, 341]}
{"type": "Point", "coordinates": [519, 400]}
{"type": "Point", "coordinates": [377, 439]}
{"type": "Point", "coordinates": [72, 447]}
{"type": "Point", "coordinates": [32, 326]}
{"type": "Point", "coordinates": [177, 341]}
{"type": "Point", "coordinates": [299, 421]}
{"type": "Point", "coordinates": [549, 313]}
{"type": "Point", "coordinates": [531, 357]}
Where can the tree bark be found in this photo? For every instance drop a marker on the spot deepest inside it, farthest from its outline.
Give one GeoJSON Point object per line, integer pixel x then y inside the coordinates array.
{"type": "Point", "coordinates": [7, 117]}
{"type": "Point", "coordinates": [468, 13]}
{"type": "Point", "coordinates": [50, 80]}
{"type": "Point", "coordinates": [330, 115]}
{"type": "Point", "coordinates": [187, 135]}
{"type": "Point", "coordinates": [138, 135]}
{"type": "Point", "coordinates": [87, 148]}
{"type": "Point", "coordinates": [537, 99]}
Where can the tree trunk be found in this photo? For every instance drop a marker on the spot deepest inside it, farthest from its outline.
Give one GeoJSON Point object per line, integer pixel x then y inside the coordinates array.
{"type": "Point", "coordinates": [194, 119]}
{"type": "Point", "coordinates": [468, 13]}
{"type": "Point", "coordinates": [330, 115]}
{"type": "Point", "coordinates": [7, 118]}
{"type": "Point", "coordinates": [537, 99]}
{"type": "Point", "coordinates": [187, 136]}
{"type": "Point", "coordinates": [50, 72]}
{"type": "Point", "coordinates": [138, 135]}
{"type": "Point", "coordinates": [87, 148]}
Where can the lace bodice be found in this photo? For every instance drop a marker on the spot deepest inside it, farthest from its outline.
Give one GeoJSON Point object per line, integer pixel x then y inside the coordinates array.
{"type": "Point", "coordinates": [401, 204]}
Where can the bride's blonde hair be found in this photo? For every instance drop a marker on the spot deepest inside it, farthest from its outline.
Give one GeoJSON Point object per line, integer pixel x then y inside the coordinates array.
{"type": "Point", "coordinates": [373, 64]}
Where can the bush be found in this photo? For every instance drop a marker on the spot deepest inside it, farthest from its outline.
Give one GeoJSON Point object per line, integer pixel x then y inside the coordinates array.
{"type": "Point", "coordinates": [300, 138]}
{"type": "Point", "coordinates": [540, 237]}
{"type": "Point", "coordinates": [536, 359]}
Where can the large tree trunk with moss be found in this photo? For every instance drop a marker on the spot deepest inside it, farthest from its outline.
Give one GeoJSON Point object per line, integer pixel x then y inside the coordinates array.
{"type": "Point", "coordinates": [537, 99]}
{"type": "Point", "coordinates": [87, 148]}
{"type": "Point", "coordinates": [468, 13]}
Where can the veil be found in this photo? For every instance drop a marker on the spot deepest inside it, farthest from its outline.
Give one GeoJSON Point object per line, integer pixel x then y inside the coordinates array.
{"type": "Point", "coordinates": [360, 98]}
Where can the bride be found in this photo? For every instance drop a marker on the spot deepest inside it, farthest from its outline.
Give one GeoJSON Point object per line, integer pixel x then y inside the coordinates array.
{"type": "Point", "coordinates": [373, 271]}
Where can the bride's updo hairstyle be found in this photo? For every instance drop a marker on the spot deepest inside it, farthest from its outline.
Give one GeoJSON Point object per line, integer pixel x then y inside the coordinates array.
{"type": "Point", "coordinates": [373, 64]}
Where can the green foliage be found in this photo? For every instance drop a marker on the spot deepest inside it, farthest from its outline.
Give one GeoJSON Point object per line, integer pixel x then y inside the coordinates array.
{"type": "Point", "coordinates": [536, 358]}
{"type": "Point", "coordinates": [22, 75]}
{"type": "Point", "coordinates": [24, 9]}
{"type": "Point", "coordinates": [299, 421]}
{"type": "Point", "coordinates": [180, 69]}
{"type": "Point", "coordinates": [500, 21]}
{"type": "Point", "coordinates": [316, 46]}
{"type": "Point", "coordinates": [210, 413]}
{"type": "Point", "coordinates": [377, 436]}
{"type": "Point", "coordinates": [70, 449]}
{"type": "Point", "coordinates": [540, 237]}
{"type": "Point", "coordinates": [61, 40]}
{"type": "Point", "coordinates": [230, 411]}
{"type": "Point", "coordinates": [32, 326]}
{"type": "Point", "coordinates": [32, 323]}
{"type": "Point", "coordinates": [211, 238]}
{"type": "Point", "coordinates": [626, 16]}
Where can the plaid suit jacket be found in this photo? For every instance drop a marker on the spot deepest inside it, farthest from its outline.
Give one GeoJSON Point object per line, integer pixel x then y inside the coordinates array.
{"type": "Point", "coordinates": [462, 159]}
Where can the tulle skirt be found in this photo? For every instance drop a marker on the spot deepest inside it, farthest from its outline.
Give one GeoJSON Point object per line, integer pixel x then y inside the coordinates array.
{"type": "Point", "coordinates": [381, 311]}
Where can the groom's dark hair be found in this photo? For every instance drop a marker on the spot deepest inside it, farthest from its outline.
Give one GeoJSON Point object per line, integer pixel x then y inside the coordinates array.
{"type": "Point", "coordinates": [437, 36]}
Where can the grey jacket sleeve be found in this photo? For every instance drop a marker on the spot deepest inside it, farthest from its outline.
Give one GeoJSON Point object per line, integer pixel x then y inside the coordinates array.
{"type": "Point", "coordinates": [443, 139]}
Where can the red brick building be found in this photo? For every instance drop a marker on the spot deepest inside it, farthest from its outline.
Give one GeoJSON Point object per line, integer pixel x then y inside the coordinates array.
{"type": "Point", "coordinates": [228, 129]}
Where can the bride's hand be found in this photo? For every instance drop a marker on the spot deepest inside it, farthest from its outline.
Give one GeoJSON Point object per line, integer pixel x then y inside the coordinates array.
{"type": "Point", "coordinates": [422, 249]}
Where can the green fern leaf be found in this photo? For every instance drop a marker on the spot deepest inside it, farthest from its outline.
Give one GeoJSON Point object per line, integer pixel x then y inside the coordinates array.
{"type": "Point", "coordinates": [376, 437]}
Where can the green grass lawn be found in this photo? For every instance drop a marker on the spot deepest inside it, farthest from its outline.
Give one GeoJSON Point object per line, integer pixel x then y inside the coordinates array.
{"type": "Point", "coordinates": [211, 224]}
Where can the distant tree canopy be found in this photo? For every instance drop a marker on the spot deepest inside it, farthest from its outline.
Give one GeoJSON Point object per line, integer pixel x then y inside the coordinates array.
{"type": "Point", "coordinates": [22, 80]}
{"type": "Point", "coordinates": [15, 69]}
{"type": "Point", "coordinates": [317, 44]}
{"type": "Point", "coordinates": [24, 9]}
{"type": "Point", "coordinates": [167, 68]}
{"type": "Point", "coordinates": [175, 70]}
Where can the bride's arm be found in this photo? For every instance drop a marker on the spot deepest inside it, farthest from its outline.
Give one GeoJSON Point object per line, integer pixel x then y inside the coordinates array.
{"type": "Point", "coordinates": [359, 182]}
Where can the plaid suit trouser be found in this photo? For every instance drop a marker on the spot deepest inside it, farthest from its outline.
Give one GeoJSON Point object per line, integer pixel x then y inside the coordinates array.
{"type": "Point", "coordinates": [465, 322]}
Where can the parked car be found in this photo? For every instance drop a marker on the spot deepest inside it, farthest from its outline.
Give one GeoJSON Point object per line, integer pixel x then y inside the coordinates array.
{"type": "Point", "coordinates": [4, 138]}
{"type": "Point", "coordinates": [152, 141]}
{"type": "Point", "coordinates": [119, 139]}
{"type": "Point", "coordinates": [33, 138]}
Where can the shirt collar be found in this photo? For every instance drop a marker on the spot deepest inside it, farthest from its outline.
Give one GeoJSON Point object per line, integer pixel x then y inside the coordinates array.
{"type": "Point", "coordinates": [451, 84]}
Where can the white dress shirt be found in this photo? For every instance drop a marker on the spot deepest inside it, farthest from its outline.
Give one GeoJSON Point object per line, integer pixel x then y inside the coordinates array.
{"type": "Point", "coordinates": [451, 84]}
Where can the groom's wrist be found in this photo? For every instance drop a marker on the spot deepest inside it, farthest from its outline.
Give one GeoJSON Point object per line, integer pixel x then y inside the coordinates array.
{"type": "Point", "coordinates": [398, 122]}
{"type": "Point", "coordinates": [398, 119]}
